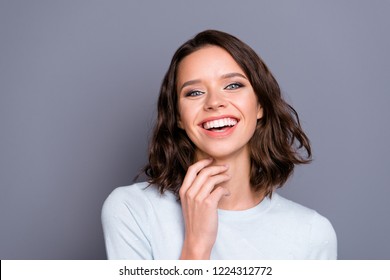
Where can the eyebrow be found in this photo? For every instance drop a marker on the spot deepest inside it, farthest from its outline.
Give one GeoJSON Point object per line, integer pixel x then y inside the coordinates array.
{"type": "Point", "coordinates": [232, 75]}
{"type": "Point", "coordinates": [224, 76]}
{"type": "Point", "coordinates": [188, 83]}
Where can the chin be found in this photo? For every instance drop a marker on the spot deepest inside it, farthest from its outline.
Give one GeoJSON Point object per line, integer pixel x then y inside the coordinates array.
{"type": "Point", "coordinates": [220, 153]}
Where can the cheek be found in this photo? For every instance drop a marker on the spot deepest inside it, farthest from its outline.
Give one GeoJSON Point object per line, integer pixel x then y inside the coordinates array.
{"type": "Point", "coordinates": [249, 107]}
{"type": "Point", "coordinates": [184, 118]}
{"type": "Point", "coordinates": [255, 108]}
{"type": "Point", "coordinates": [189, 113]}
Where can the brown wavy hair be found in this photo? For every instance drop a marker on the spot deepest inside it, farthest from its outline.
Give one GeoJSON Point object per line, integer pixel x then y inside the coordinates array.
{"type": "Point", "coordinates": [278, 142]}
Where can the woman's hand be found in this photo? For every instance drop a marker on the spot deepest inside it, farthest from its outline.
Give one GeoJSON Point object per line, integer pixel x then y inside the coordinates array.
{"type": "Point", "coordinates": [199, 196]}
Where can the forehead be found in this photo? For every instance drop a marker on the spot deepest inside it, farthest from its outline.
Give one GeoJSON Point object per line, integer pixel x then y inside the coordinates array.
{"type": "Point", "coordinates": [209, 61]}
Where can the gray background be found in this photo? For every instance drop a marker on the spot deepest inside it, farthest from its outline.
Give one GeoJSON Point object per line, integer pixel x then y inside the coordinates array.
{"type": "Point", "coordinates": [78, 87]}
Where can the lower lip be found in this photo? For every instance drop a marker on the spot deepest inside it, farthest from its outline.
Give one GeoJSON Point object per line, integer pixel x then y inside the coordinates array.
{"type": "Point", "coordinates": [220, 134]}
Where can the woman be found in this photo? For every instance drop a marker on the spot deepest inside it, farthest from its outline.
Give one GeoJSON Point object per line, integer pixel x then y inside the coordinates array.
{"type": "Point", "coordinates": [224, 141]}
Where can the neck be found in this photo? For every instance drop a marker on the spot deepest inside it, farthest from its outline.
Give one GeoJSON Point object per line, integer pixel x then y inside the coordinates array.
{"type": "Point", "coordinates": [242, 196]}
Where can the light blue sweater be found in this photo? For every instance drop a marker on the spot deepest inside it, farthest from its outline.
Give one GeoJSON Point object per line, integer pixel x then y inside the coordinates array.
{"type": "Point", "coordinates": [140, 223]}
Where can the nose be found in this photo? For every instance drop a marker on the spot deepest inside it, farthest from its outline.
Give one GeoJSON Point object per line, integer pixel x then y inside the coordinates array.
{"type": "Point", "coordinates": [214, 101]}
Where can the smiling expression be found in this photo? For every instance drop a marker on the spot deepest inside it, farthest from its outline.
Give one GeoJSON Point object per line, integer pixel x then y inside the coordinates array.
{"type": "Point", "coordinates": [218, 108]}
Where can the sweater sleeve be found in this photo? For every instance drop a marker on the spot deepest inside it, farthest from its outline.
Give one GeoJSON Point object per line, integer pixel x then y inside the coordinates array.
{"type": "Point", "coordinates": [125, 230]}
{"type": "Point", "coordinates": [323, 239]}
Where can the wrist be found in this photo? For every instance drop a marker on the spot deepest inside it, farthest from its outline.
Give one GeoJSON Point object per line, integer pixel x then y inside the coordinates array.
{"type": "Point", "coordinates": [194, 252]}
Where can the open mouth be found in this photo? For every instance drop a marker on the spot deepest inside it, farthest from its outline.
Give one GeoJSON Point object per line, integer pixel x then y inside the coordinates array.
{"type": "Point", "coordinates": [220, 125]}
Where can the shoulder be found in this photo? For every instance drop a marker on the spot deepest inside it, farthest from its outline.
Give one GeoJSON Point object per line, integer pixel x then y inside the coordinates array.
{"type": "Point", "coordinates": [323, 237]}
{"type": "Point", "coordinates": [125, 201]}
{"type": "Point", "coordinates": [289, 209]}
{"type": "Point", "coordinates": [296, 212]}
{"type": "Point", "coordinates": [316, 228]}
{"type": "Point", "coordinates": [127, 195]}
{"type": "Point", "coordinates": [122, 202]}
{"type": "Point", "coordinates": [132, 193]}
{"type": "Point", "coordinates": [127, 219]}
{"type": "Point", "coordinates": [137, 199]}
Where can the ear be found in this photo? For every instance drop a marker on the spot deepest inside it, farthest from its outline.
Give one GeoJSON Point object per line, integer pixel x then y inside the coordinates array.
{"type": "Point", "coordinates": [179, 123]}
{"type": "Point", "coordinates": [259, 111]}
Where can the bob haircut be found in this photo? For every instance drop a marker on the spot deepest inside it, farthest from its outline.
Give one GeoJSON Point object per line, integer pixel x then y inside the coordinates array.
{"type": "Point", "coordinates": [275, 146]}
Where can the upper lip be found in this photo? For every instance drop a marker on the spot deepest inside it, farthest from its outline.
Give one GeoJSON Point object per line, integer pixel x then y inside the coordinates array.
{"type": "Point", "coordinates": [218, 118]}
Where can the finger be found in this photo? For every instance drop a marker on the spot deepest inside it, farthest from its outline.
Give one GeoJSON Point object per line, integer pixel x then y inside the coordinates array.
{"type": "Point", "coordinates": [191, 174]}
{"type": "Point", "coordinates": [204, 191]}
{"type": "Point", "coordinates": [214, 198]}
{"type": "Point", "coordinates": [204, 176]}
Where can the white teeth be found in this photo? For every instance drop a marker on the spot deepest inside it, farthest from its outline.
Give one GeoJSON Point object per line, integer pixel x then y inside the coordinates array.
{"type": "Point", "coordinates": [220, 123]}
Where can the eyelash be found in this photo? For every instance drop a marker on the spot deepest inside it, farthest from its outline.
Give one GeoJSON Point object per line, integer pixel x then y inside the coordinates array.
{"type": "Point", "coordinates": [194, 93]}
{"type": "Point", "coordinates": [236, 86]}
{"type": "Point", "coordinates": [228, 87]}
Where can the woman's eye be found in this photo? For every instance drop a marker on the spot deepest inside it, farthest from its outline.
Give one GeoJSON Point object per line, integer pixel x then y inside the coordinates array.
{"type": "Point", "coordinates": [194, 93]}
{"type": "Point", "coordinates": [234, 86]}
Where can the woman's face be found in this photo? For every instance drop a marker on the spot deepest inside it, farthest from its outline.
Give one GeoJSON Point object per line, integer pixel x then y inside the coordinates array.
{"type": "Point", "coordinates": [218, 108]}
